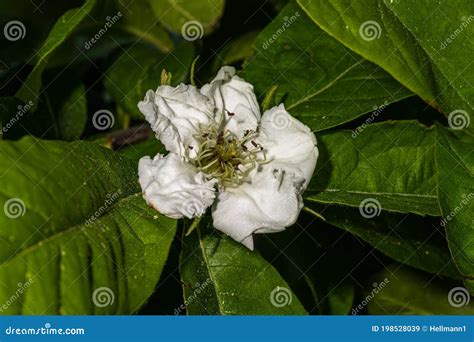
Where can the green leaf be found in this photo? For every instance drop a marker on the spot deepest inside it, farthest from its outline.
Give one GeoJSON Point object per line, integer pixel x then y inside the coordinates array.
{"type": "Point", "coordinates": [65, 25]}
{"type": "Point", "coordinates": [236, 50]}
{"type": "Point", "coordinates": [407, 239]}
{"type": "Point", "coordinates": [202, 16]}
{"type": "Point", "coordinates": [403, 291]}
{"type": "Point", "coordinates": [402, 39]}
{"type": "Point", "coordinates": [455, 162]}
{"type": "Point", "coordinates": [341, 298]}
{"type": "Point", "coordinates": [72, 115]}
{"type": "Point", "coordinates": [391, 162]}
{"type": "Point", "coordinates": [138, 22]}
{"type": "Point", "coordinates": [323, 284]}
{"type": "Point", "coordinates": [222, 277]}
{"type": "Point", "coordinates": [72, 224]}
{"type": "Point", "coordinates": [62, 113]}
{"type": "Point", "coordinates": [321, 82]}
{"type": "Point", "coordinates": [32, 31]}
{"type": "Point", "coordinates": [149, 147]}
{"type": "Point", "coordinates": [139, 69]}
{"type": "Point", "coordinates": [112, 25]}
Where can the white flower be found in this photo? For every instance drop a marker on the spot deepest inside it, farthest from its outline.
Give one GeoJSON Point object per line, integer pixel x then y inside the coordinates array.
{"type": "Point", "coordinates": [251, 168]}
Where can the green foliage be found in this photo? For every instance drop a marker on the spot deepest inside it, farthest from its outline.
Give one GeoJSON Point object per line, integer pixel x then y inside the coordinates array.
{"type": "Point", "coordinates": [388, 91]}
{"type": "Point", "coordinates": [407, 239]}
{"type": "Point", "coordinates": [221, 277]}
{"type": "Point", "coordinates": [456, 193]}
{"type": "Point", "coordinates": [29, 91]}
{"type": "Point", "coordinates": [411, 293]}
{"type": "Point", "coordinates": [392, 162]}
{"type": "Point", "coordinates": [76, 228]}
{"type": "Point", "coordinates": [420, 57]}
{"type": "Point", "coordinates": [321, 82]}
{"type": "Point", "coordinates": [138, 70]}
{"type": "Point", "coordinates": [176, 14]}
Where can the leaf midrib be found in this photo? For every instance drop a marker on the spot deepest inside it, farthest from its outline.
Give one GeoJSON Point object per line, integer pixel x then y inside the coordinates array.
{"type": "Point", "coordinates": [360, 53]}
{"type": "Point", "coordinates": [59, 234]}
{"type": "Point", "coordinates": [372, 193]}
{"type": "Point", "coordinates": [432, 61]}
{"type": "Point", "coordinates": [181, 10]}
{"type": "Point", "coordinates": [208, 267]}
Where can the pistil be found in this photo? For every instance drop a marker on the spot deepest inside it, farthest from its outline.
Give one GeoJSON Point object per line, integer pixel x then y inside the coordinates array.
{"type": "Point", "coordinates": [224, 156]}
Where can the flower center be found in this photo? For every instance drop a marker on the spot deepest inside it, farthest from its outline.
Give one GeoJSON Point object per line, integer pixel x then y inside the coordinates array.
{"type": "Point", "coordinates": [224, 156]}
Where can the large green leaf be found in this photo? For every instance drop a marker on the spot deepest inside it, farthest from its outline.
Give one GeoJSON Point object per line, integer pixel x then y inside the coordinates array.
{"type": "Point", "coordinates": [408, 239]}
{"type": "Point", "coordinates": [402, 291]}
{"type": "Point", "coordinates": [321, 82]}
{"type": "Point", "coordinates": [222, 277]}
{"type": "Point", "coordinates": [139, 69]}
{"type": "Point", "coordinates": [426, 53]}
{"type": "Point", "coordinates": [138, 21]}
{"type": "Point", "coordinates": [200, 17]}
{"type": "Point", "coordinates": [65, 25]}
{"type": "Point", "coordinates": [391, 162]}
{"type": "Point", "coordinates": [73, 225]}
{"type": "Point", "coordinates": [455, 162]}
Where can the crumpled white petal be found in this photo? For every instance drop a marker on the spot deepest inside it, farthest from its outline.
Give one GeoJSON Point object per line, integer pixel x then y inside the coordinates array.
{"type": "Point", "coordinates": [288, 143]}
{"type": "Point", "coordinates": [175, 115]}
{"type": "Point", "coordinates": [271, 202]}
{"type": "Point", "coordinates": [175, 188]}
{"type": "Point", "coordinates": [235, 101]}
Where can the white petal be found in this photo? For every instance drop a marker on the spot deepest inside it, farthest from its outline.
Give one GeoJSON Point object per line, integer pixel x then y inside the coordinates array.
{"type": "Point", "coordinates": [288, 143]}
{"type": "Point", "coordinates": [173, 187]}
{"type": "Point", "coordinates": [271, 202]}
{"type": "Point", "coordinates": [175, 115]}
{"type": "Point", "coordinates": [235, 100]}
